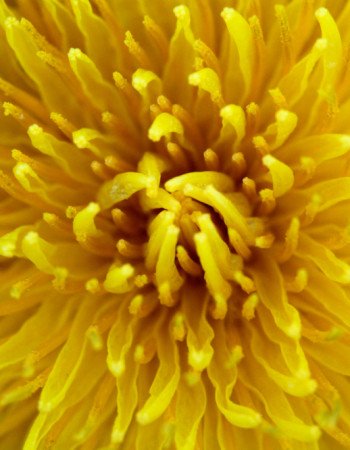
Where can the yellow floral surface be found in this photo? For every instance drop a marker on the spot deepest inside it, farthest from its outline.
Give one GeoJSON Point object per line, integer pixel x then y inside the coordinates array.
{"type": "Point", "coordinates": [175, 224]}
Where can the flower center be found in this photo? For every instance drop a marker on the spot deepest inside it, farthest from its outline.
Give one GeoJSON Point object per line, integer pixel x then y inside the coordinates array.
{"type": "Point", "coordinates": [184, 212]}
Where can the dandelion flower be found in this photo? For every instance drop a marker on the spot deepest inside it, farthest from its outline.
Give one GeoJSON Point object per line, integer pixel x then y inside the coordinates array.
{"type": "Point", "coordinates": [175, 224]}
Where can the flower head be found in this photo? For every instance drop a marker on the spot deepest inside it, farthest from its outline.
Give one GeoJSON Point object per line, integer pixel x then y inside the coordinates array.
{"type": "Point", "coordinates": [175, 236]}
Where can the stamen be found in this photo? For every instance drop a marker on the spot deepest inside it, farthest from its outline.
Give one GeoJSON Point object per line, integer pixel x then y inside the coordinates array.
{"type": "Point", "coordinates": [118, 165]}
{"type": "Point", "coordinates": [164, 125]}
{"type": "Point", "coordinates": [20, 287]}
{"type": "Point", "coordinates": [239, 164]}
{"type": "Point", "coordinates": [278, 98]}
{"type": "Point", "coordinates": [142, 306]}
{"type": "Point", "coordinates": [261, 145]}
{"type": "Point", "coordinates": [24, 99]}
{"type": "Point", "coordinates": [155, 111]}
{"type": "Point", "coordinates": [225, 260]}
{"type": "Point", "coordinates": [72, 211]}
{"type": "Point", "coordinates": [178, 327]}
{"type": "Point", "coordinates": [281, 174]}
{"type": "Point", "coordinates": [158, 36]}
{"type": "Point", "coordinates": [286, 122]}
{"type": "Point", "coordinates": [234, 115]}
{"type": "Point", "coordinates": [16, 191]}
{"type": "Point", "coordinates": [101, 171]}
{"type": "Point", "coordinates": [311, 210]}
{"type": "Point", "coordinates": [136, 304]}
{"type": "Point", "coordinates": [187, 263]}
{"type": "Point", "coordinates": [192, 130]}
{"type": "Point", "coordinates": [117, 279]}
{"type": "Point", "coordinates": [126, 88]}
{"type": "Point", "coordinates": [38, 38]}
{"type": "Point", "coordinates": [211, 160]}
{"type": "Point", "coordinates": [253, 115]}
{"type": "Point", "coordinates": [208, 56]}
{"type": "Point", "coordinates": [299, 283]}
{"type": "Point", "coordinates": [249, 189]}
{"type": "Point", "coordinates": [265, 241]}
{"type": "Point", "coordinates": [178, 156]}
{"type": "Point", "coordinates": [164, 103]}
{"type": "Point", "coordinates": [130, 250]}
{"type": "Point", "coordinates": [285, 36]}
{"type": "Point", "coordinates": [230, 213]}
{"type": "Point", "coordinates": [249, 306]}
{"type": "Point", "coordinates": [246, 283]}
{"type": "Point", "coordinates": [143, 354]}
{"type": "Point", "coordinates": [63, 124]}
{"type": "Point", "coordinates": [48, 171]}
{"type": "Point", "coordinates": [200, 179]}
{"type": "Point", "coordinates": [56, 63]}
{"type": "Point", "coordinates": [137, 51]}
{"type": "Point", "coordinates": [126, 222]}
{"type": "Point", "coordinates": [168, 277]}
{"type": "Point", "coordinates": [24, 391]}
{"type": "Point", "coordinates": [268, 202]}
{"type": "Point", "coordinates": [19, 114]}
{"type": "Point", "coordinates": [100, 402]}
{"type": "Point", "coordinates": [188, 229]}
{"type": "Point", "coordinates": [260, 52]}
{"type": "Point", "coordinates": [217, 285]}
{"type": "Point", "coordinates": [94, 286]}
{"type": "Point", "coordinates": [142, 280]}
{"type": "Point", "coordinates": [58, 224]}
{"type": "Point", "coordinates": [291, 239]}
{"type": "Point", "coordinates": [88, 235]}
{"type": "Point", "coordinates": [94, 336]}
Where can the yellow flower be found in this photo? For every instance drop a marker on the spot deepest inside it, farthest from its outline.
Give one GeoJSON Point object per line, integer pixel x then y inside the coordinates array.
{"type": "Point", "coordinates": [175, 225]}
